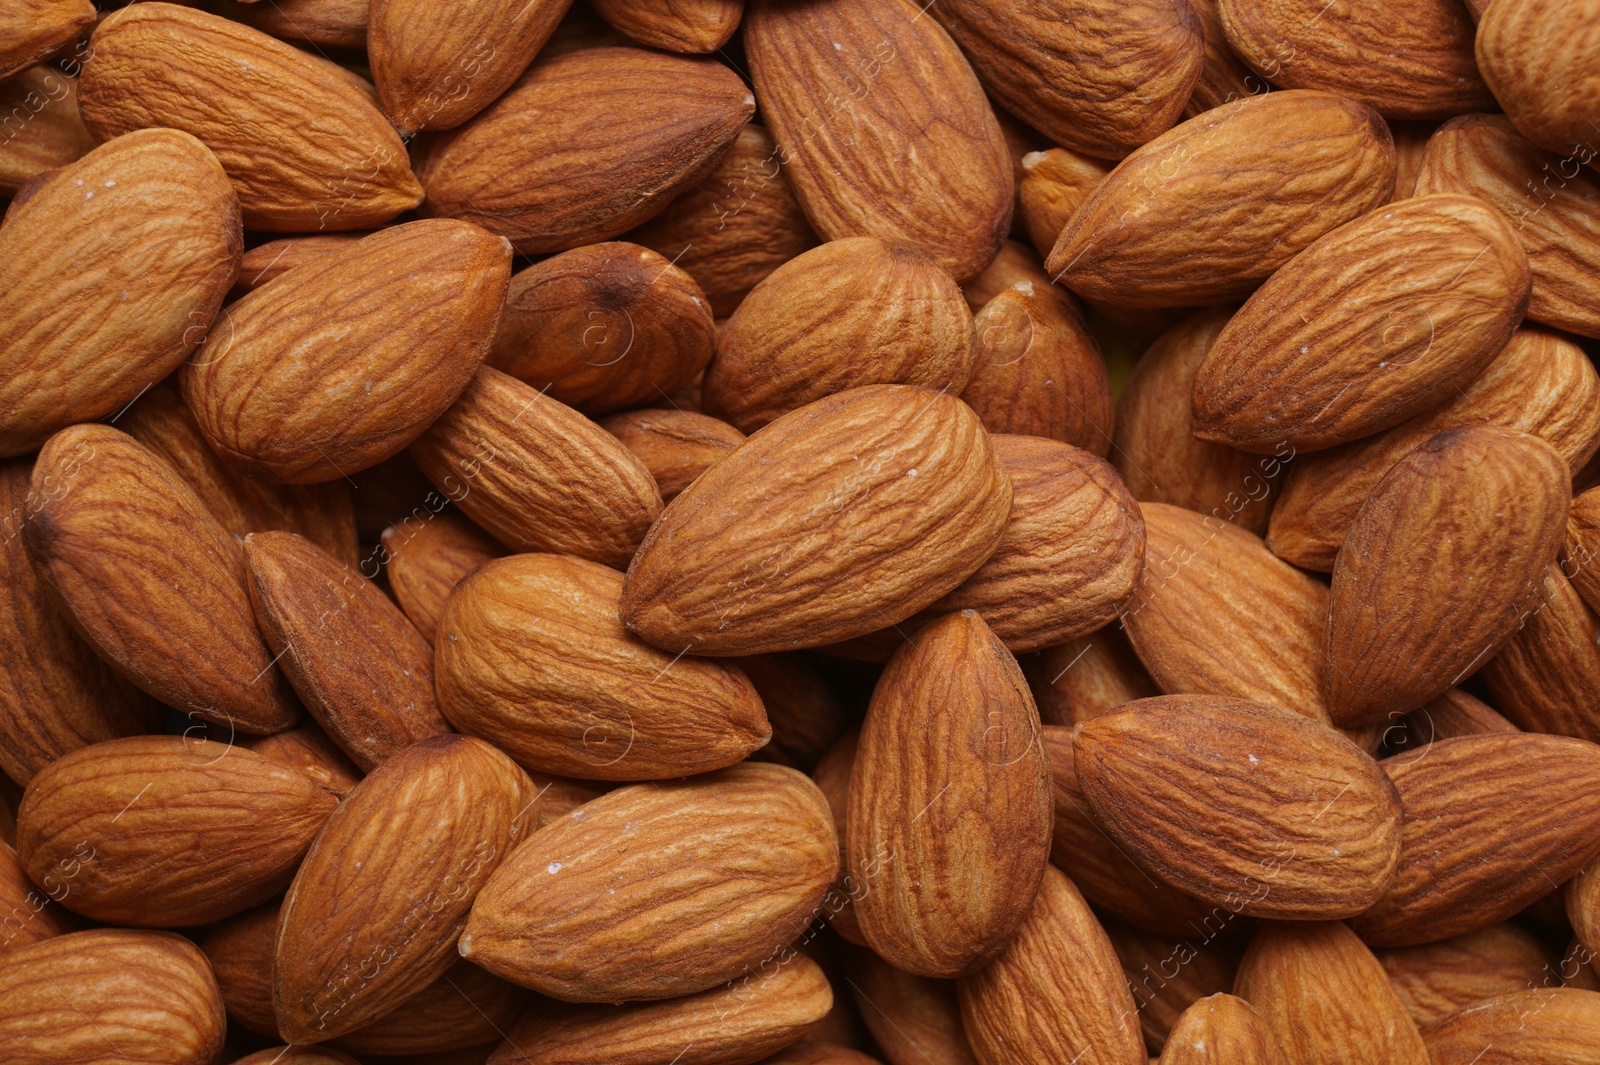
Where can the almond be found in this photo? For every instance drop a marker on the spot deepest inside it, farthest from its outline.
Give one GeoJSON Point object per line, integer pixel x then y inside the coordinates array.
{"type": "Point", "coordinates": [265, 262]}
{"type": "Point", "coordinates": [1324, 996]}
{"type": "Point", "coordinates": [676, 446]}
{"type": "Point", "coordinates": [604, 327]}
{"type": "Point", "coordinates": [1168, 975]}
{"type": "Point", "coordinates": [1223, 1030]}
{"type": "Point", "coordinates": [1538, 57]}
{"type": "Point", "coordinates": [1581, 896]}
{"type": "Point", "coordinates": [1323, 833]}
{"type": "Point", "coordinates": [1138, 240]}
{"type": "Point", "coordinates": [1411, 59]}
{"type": "Point", "coordinates": [731, 231]}
{"type": "Point", "coordinates": [1455, 713]}
{"type": "Point", "coordinates": [360, 667]}
{"type": "Point", "coordinates": [586, 146]}
{"type": "Point", "coordinates": [1056, 993]}
{"type": "Point", "coordinates": [111, 995]}
{"type": "Point", "coordinates": [914, 1019]}
{"type": "Point", "coordinates": [425, 560]}
{"type": "Point", "coordinates": [309, 750]}
{"type": "Point", "coordinates": [832, 777]}
{"type": "Point", "coordinates": [949, 753]}
{"type": "Point", "coordinates": [297, 1056]}
{"type": "Point", "coordinates": [1435, 980]}
{"type": "Point", "coordinates": [335, 23]}
{"type": "Point", "coordinates": [1054, 185]}
{"type": "Point", "coordinates": [1086, 677]}
{"type": "Point", "coordinates": [837, 520]}
{"type": "Point", "coordinates": [110, 273]}
{"type": "Point", "coordinates": [1543, 1026]}
{"type": "Point", "coordinates": [435, 69]}
{"type": "Point", "coordinates": [745, 1021]}
{"type": "Point", "coordinates": [374, 913]}
{"type": "Point", "coordinates": [531, 657]}
{"type": "Point", "coordinates": [1223, 78]}
{"type": "Point", "coordinates": [1408, 615]}
{"type": "Point", "coordinates": [298, 136]}
{"type": "Point", "coordinates": [799, 335]}
{"type": "Point", "coordinates": [240, 951]}
{"type": "Point", "coordinates": [1546, 678]}
{"type": "Point", "coordinates": [805, 713]}
{"type": "Point", "coordinates": [848, 120]}
{"type": "Point", "coordinates": [466, 1007]}
{"type": "Point", "coordinates": [1093, 77]}
{"type": "Point", "coordinates": [27, 914]}
{"type": "Point", "coordinates": [1015, 262]}
{"type": "Point", "coordinates": [1540, 383]}
{"type": "Point", "coordinates": [35, 30]}
{"type": "Point", "coordinates": [675, 25]}
{"type": "Point", "coordinates": [167, 831]}
{"type": "Point", "coordinates": [1553, 204]}
{"type": "Point", "coordinates": [1580, 559]}
{"type": "Point", "coordinates": [538, 475]}
{"type": "Point", "coordinates": [680, 912]}
{"type": "Point", "coordinates": [151, 581]}
{"type": "Point", "coordinates": [1410, 144]}
{"type": "Point", "coordinates": [45, 102]}
{"type": "Point", "coordinates": [820, 1054]}
{"type": "Point", "coordinates": [274, 391]}
{"type": "Point", "coordinates": [1491, 823]}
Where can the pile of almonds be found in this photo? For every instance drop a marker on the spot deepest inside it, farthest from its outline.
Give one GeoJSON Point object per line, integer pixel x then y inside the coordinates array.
{"type": "Point", "coordinates": [823, 532]}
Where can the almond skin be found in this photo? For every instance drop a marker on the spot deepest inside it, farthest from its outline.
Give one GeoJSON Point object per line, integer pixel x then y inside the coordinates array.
{"type": "Point", "coordinates": [832, 778]}
{"type": "Point", "coordinates": [800, 334]}
{"type": "Point", "coordinates": [949, 753]}
{"type": "Point", "coordinates": [1087, 677]}
{"type": "Point", "coordinates": [646, 892]}
{"type": "Point", "coordinates": [1553, 204]}
{"type": "Point", "coordinates": [1016, 262]}
{"type": "Point", "coordinates": [918, 99]}
{"type": "Point", "coordinates": [1056, 993]}
{"type": "Point", "coordinates": [264, 262]}
{"type": "Point", "coordinates": [1411, 59]}
{"type": "Point", "coordinates": [1538, 57]}
{"type": "Point", "coordinates": [110, 995]}
{"type": "Point", "coordinates": [104, 292]}
{"type": "Point", "coordinates": [1139, 242]}
{"type": "Point", "coordinates": [1096, 78]}
{"type": "Point", "coordinates": [307, 379]}
{"type": "Point", "coordinates": [297, 1056]}
{"type": "Point", "coordinates": [745, 1021]}
{"type": "Point", "coordinates": [1547, 676]}
{"type": "Point", "coordinates": [335, 23]}
{"type": "Point", "coordinates": [586, 146]}
{"type": "Point", "coordinates": [1324, 996]}
{"type": "Point", "coordinates": [54, 135]}
{"type": "Point", "coordinates": [675, 25]}
{"type": "Point", "coordinates": [391, 877]}
{"type": "Point", "coordinates": [676, 446]}
{"type": "Point", "coordinates": [27, 914]}
{"type": "Point", "coordinates": [1435, 980]}
{"type": "Point", "coordinates": [240, 952]}
{"type": "Point", "coordinates": [151, 581]}
{"type": "Point", "coordinates": [1581, 896]}
{"type": "Point", "coordinates": [913, 1019]}
{"type": "Point", "coordinates": [466, 1007]}
{"type": "Point", "coordinates": [360, 667]}
{"type": "Point", "coordinates": [838, 539]}
{"type": "Point", "coordinates": [1054, 185]}
{"type": "Point", "coordinates": [1491, 822]}
{"type": "Point", "coordinates": [1408, 617]}
{"type": "Point", "coordinates": [425, 561]}
{"type": "Point", "coordinates": [1222, 1030]}
{"type": "Point", "coordinates": [805, 713]}
{"type": "Point", "coordinates": [1223, 78]}
{"type": "Point", "coordinates": [1356, 335]}
{"type": "Point", "coordinates": [1580, 554]}
{"type": "Point", "coordinates": [531, 657]}
{"type": "Point", "coordinates": [604, 328]}
{"type": "Point", "coordinates": [538, 475]}
{"type": "Point", "coordinates": [1455, 713]}
{"type": "Point", "coordinates": [309, 750]}
{"type": "Point", "coordinates": [37, 29]}
{"type": "Point", "coordinates": [304, 146]}
{"type": "Point", "coordinates": [167, 831]}
{"type": "Point", "coordinates": [1242, 805]}
{"type": "Point", "coordinates": [1169, 974]}
{"type": "Point", "coordinates": [1544, 1026]}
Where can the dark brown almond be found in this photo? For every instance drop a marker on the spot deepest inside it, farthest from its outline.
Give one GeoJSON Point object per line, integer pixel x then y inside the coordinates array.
{"type": "Point", "coordinates": [1087, 677]}
{"type": "Point", "coordinates": [1435, 980]}
{"type": "Point", "coordinates": [1546, 678]}
{"type": "Point", "coordinates": [804, 712]}
{"type": "Point", "coordinates": [426, 558]}
{"type": "Point", "coordinates": [240, 952]}
{"type": "Point", "coordinates": [1580, 555]}
{"type": "Point", "coordinates": [676, 446]}
{"type": "Point", "coordinates": [466, 1007]}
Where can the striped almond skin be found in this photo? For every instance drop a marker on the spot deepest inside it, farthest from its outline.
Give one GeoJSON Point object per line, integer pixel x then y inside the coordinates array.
{"type": "Point", "coordinates": [1547, 676]}
{"type": "Point", "coordinates": [362, 670]}
{"type": "Point", "coordinates": [373, 914]}
{"type": "Point", "coordinates": [311, 377]}
{"type": "Point", "coordinates": [240, 952]}
{"type": "Point", "coordinates": [27, 914]}
{"type": "Point", "coordinates": [884, 127]}
{"type": "Point", "coordinates": [299, 137]}
{"type": "Point", "coordinates": [111, 271]}
{"type": "Point", "coordinates": [832, 778]}
{"type": "Point", "coordinates": [1434, 577]}
{"type": "Point", "coordinates": [466, 1007]}
{"type": "Point", "coordinates": [33, 30]}
{"type": "Point", "coordinates": [1541, 383]}
{"type": "Point", "coordinates": [1580, 553]}
{"type": "Point", "coordinates": [1275, 171]}
{"type": "Point", "coordinates": [1540, 1026]}
{"type": "Point", "coordinates": [536, 474]}
{"type": "Point", "coordinates": [266, 261]}
{"type": "Point", "coordinates": [1491, 823]}
{"type": "Point", "coordinates": [839, 519]}
{"type": "Point", "coordinates": [1168, 974]}
{"type": "Point", "coordinates": [743, 1022]}
{"type": "Point", "coordinates": [1538, 57]}
{"type": "Point", "coordinates": [110, 997]}
{"type": "Point", "coordinates": [1435, 980]}
{"type": "Point", "coordinates": [425, 561]}
{"type": "Point", "coordinates": [1407, 59]}
{"type": "Point", "coordinates": [660, 890]}
{"type": "Point", "coordinates": [167, 831]}
{"type": "Point", "coordinates": [676, 446]}
{"type": "Point", "coordinates": [1382, 319]}
{"type": "Point", "coordinates": [1243, 805]}
{"type": "Point", "coordinates": [435, 68]}
{"type": "Point", "coordinates": [335, 23]}
{"type": "Point", "coordinates": [54, 135]}
{"type": "Point", "coordinates": [530, 656]}
{"type": "Point", "coordinates": [949, 803]}
{"type": "Point", "coordinates": [297, 1056]}
{"type": "Point", "coordinates": [586, 146]}
{"type": "Point", "coordinates": [152, 581]}
{"type": "Point", "coordinates": [912, 1018]}
{"type": "Point", "coordinates": [1223, 78]}
{"type": "Point", "coordinates": [694, 26]}
{"type": "Point", "coordinates": [309, 750]}
{"type": "Point", "coordinates": [1221, 1030]}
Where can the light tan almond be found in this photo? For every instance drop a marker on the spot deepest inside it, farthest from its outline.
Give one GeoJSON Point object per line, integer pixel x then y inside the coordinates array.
{"type": "Point", "coordinates": [34, 30]}
{"type": "Point", "coordinates": [265, 262]}
{"type": "Point", "coordinates": [1538, 57]}
{"type": "Point", "coordinates": [1054, 185]}
{"type": "Point", "coordinates": [1222, 1030]}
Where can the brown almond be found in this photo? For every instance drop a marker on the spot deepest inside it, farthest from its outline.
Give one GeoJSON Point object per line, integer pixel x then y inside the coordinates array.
{"type": "Point", "coordinates": [265, 262]}
{"type": "Point", "coordinates": [152, 581]}
{"type": "Point", "coordinates": [604, 327]}
{"type": "Point", "coordinates": [1491, 823]}
{"type": "Point", "coordinates": [804, 712]}
{"type": "Point", "coordinates": [1223, 77]}
{"type": "Point", "coordinates": [167, 831]}
{"type": "Point", "coordinates": [27, 913]}
{"type": "Point", "coordinates": [915, 1020]}
{"type": "Point", "coordinates": [1054, 185]}
{"type": "Point", "coordinates": [309, 750]}
{"type": "Point", "coordinates": [111, 271]}
{"type": "Point", "coordinates": [1580, 554]}
{"type": "Point", "coordinates": [466, 1007]}
{"type": "Point", "coordinates": [44, 102]}
{"type": "Point", "coordinates": [391, 877]}
{"type": "Point", "coordinates": [240, 951]}
{"type": "Point", "coordinates": [646, 893]}
{"type": "Point", "coordinates": [304, 1055]}
{"type": "Point", "coordinates": [1541, 1026]}
{"type": "Point", "coordinates": [1537, 57]}
{"type": "Point", "coordinates": [360, 667]}
{"type": "Point", "coordinates": [1581, 896]}
{"type": "Point", "coordinates": [675, 25]}
{"type": "Point", "coordinates": [531, 656]}
{"type": "Point", "coordinates": [586, 146]}
{"type": "Point", "coordinates": [1138, 240]}
{"type": "Point", "coordinates": [1410, 144]}
{"type": "Point", "coordinates": [1014, 263]}
{"type": "Point", "coordinates": [425, 559]}
{"type": "Point", "coordinates": [1167, 975]}
{"type": "Point", "coordinates": [894, 496]}
{"type": "Point", "coordinates": [35, 30]}
{"type": "Point", "coordinates": [676, 446]}
{"type": "Point", "coordinates": [1455, 713]}
{"type": "Point", "coordinates": [301, 140]}
{"type": "Point", "coordinates": [1222, 1030]}
{"type": "Point", "coordinates": [333, 23]}
{"type": "Point", "coordinates": [1245, 806]}
{"type": "Point", "coordinates": [832, 777]}
{"type": "Point", "coordinates": [1435, 980]}
{"type": "Point", "coordinates": [1546, 678]}
{"type": "Point", "coordinates": [1409, 615]}
{"type": "Point", "coordinates": [1086, 677]}
{"type": "Point", "coordinates": [801, 333]}
{"type": "Point", "coordinates": [919, 101]}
